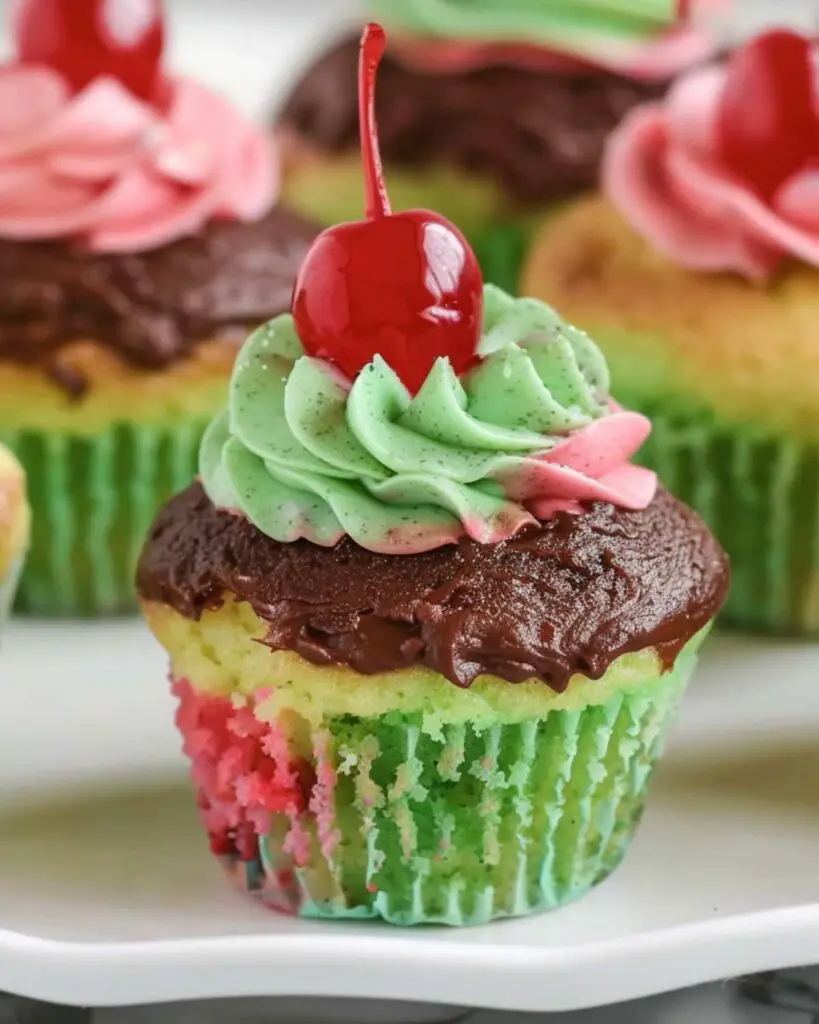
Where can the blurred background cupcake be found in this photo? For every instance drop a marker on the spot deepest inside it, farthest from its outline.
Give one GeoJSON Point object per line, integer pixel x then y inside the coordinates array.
{"type": "Point", "coordinates": [491, 112]}
{"type": "Point", "coordinates": [139, 239]}
{"type": "Point", "coordinates": [14, 528]}
{"type": "Point", "coordinates": [697, 272]}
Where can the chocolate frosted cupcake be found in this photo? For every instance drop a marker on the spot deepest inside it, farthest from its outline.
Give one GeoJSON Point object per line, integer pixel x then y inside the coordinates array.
{"type": "Point", "coordinates": [14, 528]}
{"type": "Point", "coordinates": [139, 241]}
{"type": "Point", "coordinates": [428, 626]}
{"type": "Point", "coordinates": [697, 270]}
{"type": "Point", "coordinates": [492, 112]}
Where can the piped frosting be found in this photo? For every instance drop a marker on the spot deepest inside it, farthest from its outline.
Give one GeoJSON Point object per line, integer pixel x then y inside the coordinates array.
{"type": "Point", "coordinates": [304, 453]}
{"type": "Point", "coordinates": [117, 174]}
{"type": "Point", "coordinates": [665, 168]}
{"type": "Point", "coordinates": [643, 41]}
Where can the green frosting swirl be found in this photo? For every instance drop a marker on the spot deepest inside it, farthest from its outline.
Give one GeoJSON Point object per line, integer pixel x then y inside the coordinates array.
{"type": "Point", "coordinates": [539, 21]}
{"type": "Point", "coordinates": [302, 453]}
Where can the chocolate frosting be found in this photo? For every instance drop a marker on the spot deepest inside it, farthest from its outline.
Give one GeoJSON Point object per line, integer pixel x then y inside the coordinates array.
{"type": "Point", "coordinates": [150, 307]}
{"type": "Point", "coordinates": [539, 133]}
{"type": "Point", "coordinates": [569, 596]}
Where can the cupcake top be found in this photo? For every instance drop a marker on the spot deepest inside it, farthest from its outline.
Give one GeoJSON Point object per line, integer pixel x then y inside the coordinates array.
{"type": "Point", "coordinates": [413, 469]}
{"type": "Point", "coordinates": [14, 515]}
{"type": "Point", "coordinates": [487, 524]}
{"type": "Point", "coordinates": [137, 207]}
{"type": "Point", "coordinates": [525, 93]}
{"type": "Point", "coordinates": [721, 176]}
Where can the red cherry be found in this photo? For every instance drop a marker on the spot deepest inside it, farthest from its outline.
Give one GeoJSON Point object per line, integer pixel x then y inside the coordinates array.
{"type": "Point", "coordinates": [767, 119]}
{"type": "Point", "coordinates": [405, 286]}
{"type": "Point", "coordinates": [86, 39]}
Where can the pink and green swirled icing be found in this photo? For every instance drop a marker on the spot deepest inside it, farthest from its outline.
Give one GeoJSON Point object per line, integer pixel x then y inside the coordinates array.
{"type": "Point", "coordinates": [642, 38]}
{"type": "Point", "coordinates": [304, 453]}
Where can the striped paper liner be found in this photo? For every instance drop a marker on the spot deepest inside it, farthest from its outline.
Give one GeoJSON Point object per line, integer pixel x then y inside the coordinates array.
{"type": "Point", "coordinates": [93, 499]}
{"type": "Point", "coordinates": [475, 822]}
{"type": "Point", "coordinates": [760, 496]}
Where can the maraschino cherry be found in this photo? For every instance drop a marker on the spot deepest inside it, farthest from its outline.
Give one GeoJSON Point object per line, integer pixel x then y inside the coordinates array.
{"type": "Point", "coordinates": [767, 123]}
{"type": "Point", "coordinates": [86, 39]}
{"type": "Point", "coordinates": [405, 286]}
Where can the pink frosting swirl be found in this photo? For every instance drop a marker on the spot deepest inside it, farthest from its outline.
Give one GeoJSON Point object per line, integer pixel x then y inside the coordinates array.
{"type": "Point", "coordinates": [664, 170]}
{"type": "Point", "coordinates": [592, 464]}
{"type": "Point", "coordinates": [644, 60]}
{"type": "Point", "coordinates": [117, 174]}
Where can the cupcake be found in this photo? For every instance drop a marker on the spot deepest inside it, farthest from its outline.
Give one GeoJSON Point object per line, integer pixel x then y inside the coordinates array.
{"type": "Point", "coordinates": [14, 528]}
{"type": "Point", "coordinates": [139, 241]}
{"type": "Point", "coordinates": [428, 626]}
{"type": "Point", "coordinates": [492, 113]}
{"type": "Point", "coordinates": [697, 273]}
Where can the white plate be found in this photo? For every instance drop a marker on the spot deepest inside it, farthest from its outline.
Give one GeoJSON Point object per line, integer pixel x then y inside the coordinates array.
{"type": "Point", "coordinates": [109, 896]}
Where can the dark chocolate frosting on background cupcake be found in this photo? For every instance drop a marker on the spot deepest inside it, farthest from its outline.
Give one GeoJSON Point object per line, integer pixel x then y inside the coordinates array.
{"type": "Point", "coordinates": [140, 227]}
{"type": "Point", "coordinates": [150, 307]}
{"type": "Point", "coordinates": [539, 133]}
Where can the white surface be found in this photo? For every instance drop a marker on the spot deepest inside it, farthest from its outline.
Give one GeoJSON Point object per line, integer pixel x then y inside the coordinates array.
{"type": "Point", "coordinates": [108, 894]}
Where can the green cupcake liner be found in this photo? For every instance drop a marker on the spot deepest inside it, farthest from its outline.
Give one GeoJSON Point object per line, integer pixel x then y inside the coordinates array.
{"type": "Point", "coordinates": [475, 822]}
{"type": "Point", "coordinates": [93, 500]}
{"type": "Point", "coordinates": [760, 496]}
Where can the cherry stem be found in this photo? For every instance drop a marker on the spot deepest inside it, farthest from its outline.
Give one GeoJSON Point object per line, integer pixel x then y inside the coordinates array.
{"type": "Point", "coordinates": [373, 44]}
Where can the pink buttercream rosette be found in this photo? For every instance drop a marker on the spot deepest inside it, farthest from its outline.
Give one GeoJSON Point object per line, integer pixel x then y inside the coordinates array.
{"type": "Point", "coordinates": [663, 169]}
{"type": "Point", "coordinates": [120, 175]}
{"type": "Point", "coordinates": [652, 58]}
{"type": "Point", "coordinates": [645, 60]}
{"type": "Point", "coordinates": [591, 464]}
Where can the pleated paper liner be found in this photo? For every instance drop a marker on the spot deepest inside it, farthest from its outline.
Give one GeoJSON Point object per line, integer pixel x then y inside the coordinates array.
{"type": "Point", "coordinates": [476, 822]}
{"type": "Point", "coordinates": [760, 496]}
{"type": "Point", "coordinates": [93, 499]}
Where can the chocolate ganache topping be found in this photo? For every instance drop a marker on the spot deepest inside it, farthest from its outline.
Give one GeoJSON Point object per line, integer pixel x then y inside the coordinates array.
{"type": "Point", "coordinates": [539, 132]}
{"type": "Point", "coordinates": [151, 307]}
{"type": "Point", "coordinates": [570, 595]}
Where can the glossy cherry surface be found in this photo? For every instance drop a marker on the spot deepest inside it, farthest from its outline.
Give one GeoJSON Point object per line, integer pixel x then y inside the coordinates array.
{"type": "Point", "coordinates": [86, 39]}
{"type": "Point", "coordinates": [405, 286]}
{"type": "Point", "coordinates": [768, 118]}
